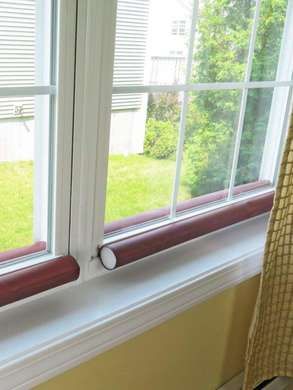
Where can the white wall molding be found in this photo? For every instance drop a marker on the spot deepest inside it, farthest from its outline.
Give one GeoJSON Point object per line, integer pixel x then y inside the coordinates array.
{"type": "Point", "coordinates": [57, 332]}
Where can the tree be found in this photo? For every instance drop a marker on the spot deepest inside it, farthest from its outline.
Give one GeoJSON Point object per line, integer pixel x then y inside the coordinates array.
{"type": "Point", "coordinates": [221, 54]}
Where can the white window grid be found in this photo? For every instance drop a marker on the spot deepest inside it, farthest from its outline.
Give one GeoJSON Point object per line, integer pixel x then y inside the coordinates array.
{"type": "Point", "coordinates": [52, 157]}
{"type": "Point", "coordinates": [280, 95]}
{"type": "Point", "coordinates": [44, 71]}
{"type": "Point", "coordinates": [91, 144]}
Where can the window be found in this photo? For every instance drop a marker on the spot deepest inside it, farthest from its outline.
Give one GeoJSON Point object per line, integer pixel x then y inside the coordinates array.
{"type": "Point", "coordinates": [30, 115]}
{"type": "Point", "coordinates": [26, 106]}
{"type": "Point", "coordinates": [187, 147]}
{"type": "Point", "coordinates": [178, 27]}
{"type": "Point", "coordinates": [105, 135]}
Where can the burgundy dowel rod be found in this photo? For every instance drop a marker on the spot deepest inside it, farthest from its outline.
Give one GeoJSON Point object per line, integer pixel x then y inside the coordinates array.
{"type": "Point", "coordinates": [32, 280]}
{"type": "Point", "coordinates": [182, 206]}
{"type": "Point", "coordinates": [130, 249]}
{"type": "Point", "coordinates": [23, 251]}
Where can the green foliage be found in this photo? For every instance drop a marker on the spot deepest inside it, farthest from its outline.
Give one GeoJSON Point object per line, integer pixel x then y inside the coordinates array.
{"type": "Point", "coordinates": [206, 159]}
{"type": "Point", "coordinates": [221, 55]}
{"type": "Point", "coordinates": [160, 139]}
{"type": "Point", "coordinates": [162, 126]}
{"type": "Point", "coordinates": [132, 182]}
{"type": "Point", "coordinates": [164, 107]}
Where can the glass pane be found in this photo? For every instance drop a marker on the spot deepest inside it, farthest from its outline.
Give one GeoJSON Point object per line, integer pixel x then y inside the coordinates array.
{"type": "Point", "coordinates": [255, 131]}
{"type": "Point", "coordinates": [168, 41]}
{"type": "Point", "coordinates": [211, 124]}
{"type": "Point", "coordinates": [23, 171]}
{"type": "Point", "coordinates": [25, 42]}
{"type": "Point", "coordinates": [222, 40]}
{"type": "Point", "coordinates": [151, 49]}
{"type": "Point", "coordinates": [268, 40]}
{"type": "Point", "coordinates": [143, 145]}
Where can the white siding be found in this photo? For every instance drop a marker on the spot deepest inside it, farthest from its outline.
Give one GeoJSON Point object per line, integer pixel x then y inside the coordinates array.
{"type": "Point", "coordinates": [17, 53]}
{"type": "Point", "coordinates": [18, 46]}
{"type": "Point", "coordinates": [130, 50]}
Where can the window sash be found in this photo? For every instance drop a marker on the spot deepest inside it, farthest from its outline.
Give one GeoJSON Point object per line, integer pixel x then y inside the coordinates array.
{"type": "Point", "coordinates": [95, 84]}
{"type": "Point", "coordinates": [191, 87]}
{"type": "Point", "coordinates": [243, 86]}
{"type": "Point", "coordinates": [28, 91]}
{"type": "Point", "coordinates": [58, 173]}
{"type": "Point", "coordinates": [187, 87]}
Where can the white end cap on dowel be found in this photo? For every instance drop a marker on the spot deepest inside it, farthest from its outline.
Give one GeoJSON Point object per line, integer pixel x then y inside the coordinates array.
{"type": "Point", "coordinates": [108, 258]}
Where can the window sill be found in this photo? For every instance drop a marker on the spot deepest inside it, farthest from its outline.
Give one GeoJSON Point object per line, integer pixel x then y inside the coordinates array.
{"type": "Point", "coordinates": [44, 337]}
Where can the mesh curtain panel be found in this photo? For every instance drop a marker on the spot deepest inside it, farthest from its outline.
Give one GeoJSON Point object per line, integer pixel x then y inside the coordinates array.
{"type": "Point", "coordinates": [270, 345]}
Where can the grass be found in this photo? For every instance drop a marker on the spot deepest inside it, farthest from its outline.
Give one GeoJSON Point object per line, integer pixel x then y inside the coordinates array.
{"type": "Point", "coordinates": [136, 184]}
{"type": "Point", "coordinates": [16, 204]}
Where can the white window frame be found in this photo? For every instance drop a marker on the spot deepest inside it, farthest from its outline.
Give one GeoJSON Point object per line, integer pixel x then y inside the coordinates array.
{"type": "Point", "coordinates": [88, 319]}
{"type": "Point", "coordinates": [92, 117]}
{"type": "Point", "coordinates": [54, 219]}
{"type": "Point", "coordinates": [83, 99]}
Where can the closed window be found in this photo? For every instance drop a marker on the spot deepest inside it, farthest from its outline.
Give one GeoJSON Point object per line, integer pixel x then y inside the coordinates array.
{"type": "Point", "coordinates": [211, 136]}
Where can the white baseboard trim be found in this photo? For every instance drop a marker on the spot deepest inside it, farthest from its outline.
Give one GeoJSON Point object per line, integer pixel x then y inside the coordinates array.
{"type": "Point", "coordinates": [234, 384]}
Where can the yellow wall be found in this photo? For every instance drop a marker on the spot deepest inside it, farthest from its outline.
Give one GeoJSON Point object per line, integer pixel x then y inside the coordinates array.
{"type": "Point", "coordinates": [197, 350]}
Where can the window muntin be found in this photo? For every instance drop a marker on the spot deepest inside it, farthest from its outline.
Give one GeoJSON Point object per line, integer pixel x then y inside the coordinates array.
{"type": "Point", "coordinates": [178, 27]}
{"type": "Point", "coordinates": [210, 131]}
{"type": "Point", "coordinates": [221, 41]}
{"type": "Point", "coordinates": [268, 40]}
{"type": "Point", "coordinates": [234, 96]}
{"type": "Point", "coordinates": [140, 164]}
{"type": "Point", "coordinates": [27, 105]}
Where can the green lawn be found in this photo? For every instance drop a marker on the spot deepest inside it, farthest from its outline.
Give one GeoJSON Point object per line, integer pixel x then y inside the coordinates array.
{"type": "Point", "coordinates": [16, 204]}
{"type": "Point", "coordinates": [137, 183]}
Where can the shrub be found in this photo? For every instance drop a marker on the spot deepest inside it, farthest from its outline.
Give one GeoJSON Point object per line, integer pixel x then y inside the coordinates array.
{"type": "Point", "coordinates": [207, 159]}
{"type": "Point", "coordinates": [160, 139]}
{"type": "Point", "coordinates": [164, 107]}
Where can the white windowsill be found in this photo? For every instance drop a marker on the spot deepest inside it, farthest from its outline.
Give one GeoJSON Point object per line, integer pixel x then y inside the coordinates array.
{"type": "Point", "coordinates": [46, 336]}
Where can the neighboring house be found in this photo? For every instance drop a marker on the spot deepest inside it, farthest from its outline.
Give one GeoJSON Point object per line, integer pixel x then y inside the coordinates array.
{"type": "Point", "coordinates": [169, 40]}
{"type": "Point", "coordinates": [17, 67]}
{"type": "Point", "coordinates": [129, 111]}
{"type": "Point", "coordinates": [146, 53]}
{"type": "Point", "coordinates": [17, 53]}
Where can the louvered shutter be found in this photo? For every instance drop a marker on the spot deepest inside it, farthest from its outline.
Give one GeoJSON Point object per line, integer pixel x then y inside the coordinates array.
{"type": "Point", "coordinates": [17, 52]}
{"type": "Point", "coordinates": [130, 50]}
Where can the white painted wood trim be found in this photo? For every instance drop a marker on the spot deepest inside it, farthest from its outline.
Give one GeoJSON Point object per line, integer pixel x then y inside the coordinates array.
{"type": "Point", "coordinates": [94, 71]}
{"type": "Point", "coordinates": [60, 162]}
{"type": "Point", "coordinates": [243, 103]}
{"type": "Point", "coordinates": [27, 91]}
{"type": "Point", "coordinates": [65, 344]}
{"type": "Point", "coordinates": [47, 362]}
{"type": "Point", "coordinates": [234, 384]}
{"type": "Point", "coordinates": [200, 86]}
{"type": "Point", "coordinates": [183, 114]}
